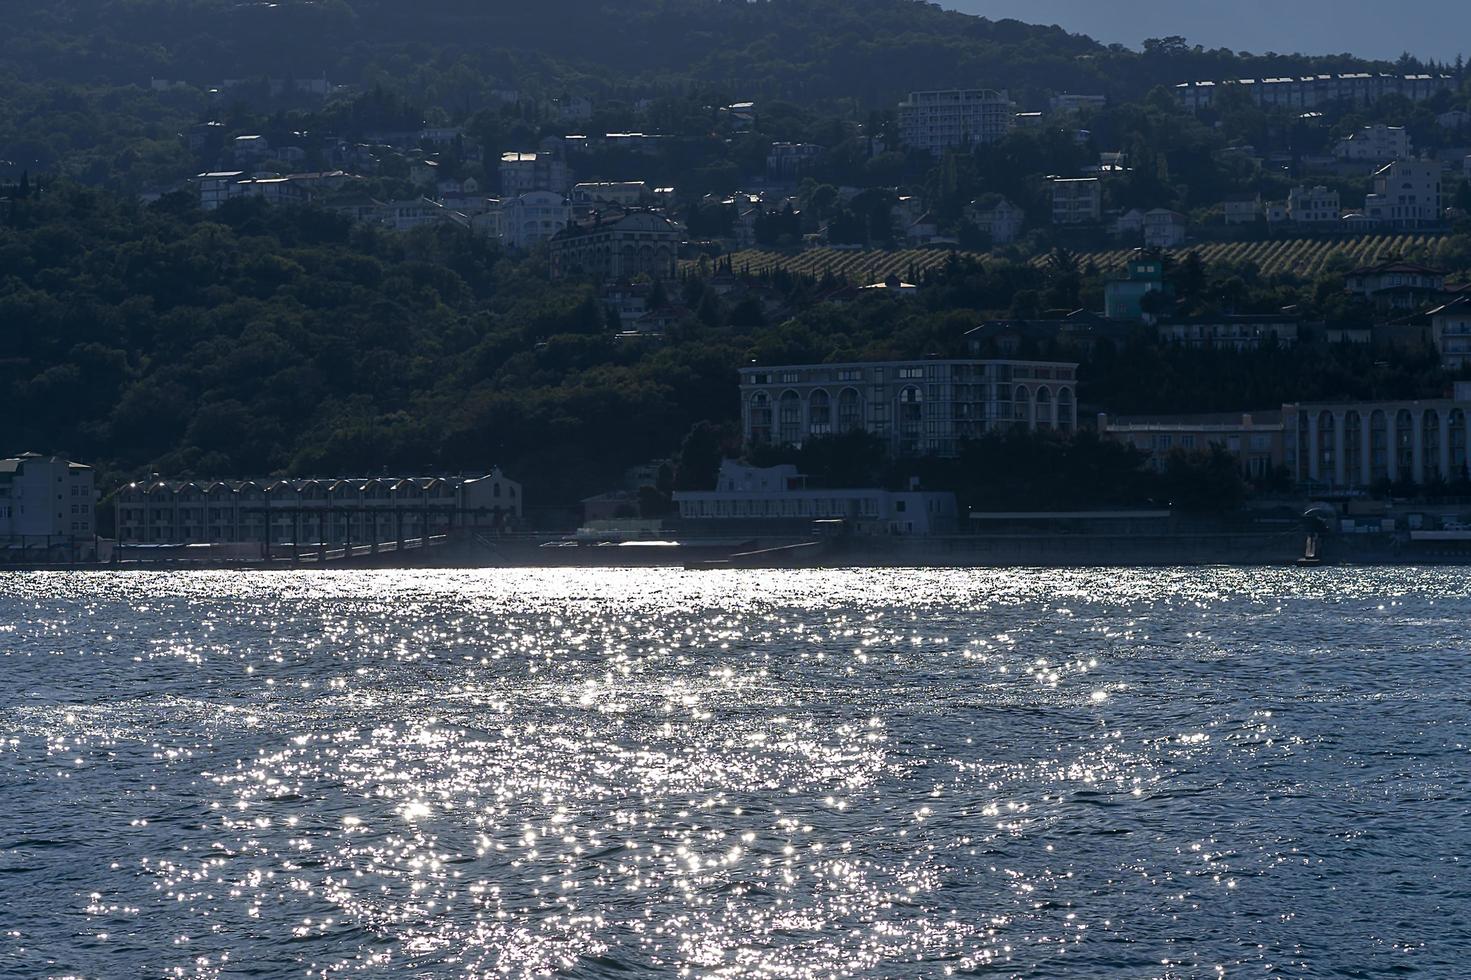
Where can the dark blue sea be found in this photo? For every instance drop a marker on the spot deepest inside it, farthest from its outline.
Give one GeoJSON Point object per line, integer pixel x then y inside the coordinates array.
{"type": "Point", "coordinates": [589, 773]}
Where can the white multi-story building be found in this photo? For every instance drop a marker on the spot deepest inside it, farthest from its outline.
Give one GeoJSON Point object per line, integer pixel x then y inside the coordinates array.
{"type": "Point", "coordinates": [779, 495]}
{"type": "Point", "coordinates": [1375, 144]}
{"type": "Point", "coordinates": [1313, 206]}
{"type": "Point", "coordinates": [937, 121]}
{"type": "Point", "coordinates": [1407, 194]}
{"type": "Point", "coordinates": [356, 511]}
{"type": "Point", "coordinates": [1077, 200]}
{"type": "Point", "coordinates": [528, 219]}
{"type": "Point", "coordinates": [917, 407]}
{"type": "Point", "coordinates": [46, 501]}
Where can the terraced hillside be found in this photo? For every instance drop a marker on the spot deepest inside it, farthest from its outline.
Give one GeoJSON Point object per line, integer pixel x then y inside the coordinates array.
{"type": "Point", "coordinates": [1306, 257]}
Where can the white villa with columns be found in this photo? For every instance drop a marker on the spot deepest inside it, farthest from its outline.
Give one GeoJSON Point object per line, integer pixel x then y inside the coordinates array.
{"type": "Point", "coordinates": [918, 407]}
{"type": "Point", "coordinates": [1353, 445]}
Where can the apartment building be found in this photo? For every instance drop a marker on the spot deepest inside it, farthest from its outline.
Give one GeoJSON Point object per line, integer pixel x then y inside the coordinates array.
{"type": "Point", "coordinates": [334, 512]}
{"type": "Point", "coordinates": [939, 120]}
{"type": "Point", "coordinates": [918, 407]}
{"type": "Point", "coordinates": [46, 501]}
{"type": "Point", "coordinates": [1077, 200]}
{"type": "Point", "coordinates": [1407, 194]}
{"type": "Point", "coordinates": [531, 218]}
{"type": "Point", "coordinates": [1313, 206]}
{"type": "Point", "coordinates": [522, 173]}
{"type": "Point", "coordinates": [641, 243]}
{"type": "Point", "coordinates": [1309, 91]}
{"type": "Point", "coordinates": [1375, 144]}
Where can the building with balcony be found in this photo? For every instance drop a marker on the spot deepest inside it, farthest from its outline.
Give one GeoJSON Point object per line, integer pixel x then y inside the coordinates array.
{"type": "Point", "coordinates": [1077, 200]}
{"type": "Point", "coordinates": [955, 118]}
{"type": "Point", "coordinates": [1398, 285]}
{"type": "Point", "coordinates": [1313, 206]}
{"type": "Point", "coordinates": [923, 407]}
{"type": "Point", "coordinates": [530, 219]}
{"type": "Point", "coordinates": [330, 512]}
{"type": "Point", "coordinates": [1375, 144]}
{"type": "Point", "coordinates": [1257, 439]}
{"type": "Point", "coordinates": [1239, 332]}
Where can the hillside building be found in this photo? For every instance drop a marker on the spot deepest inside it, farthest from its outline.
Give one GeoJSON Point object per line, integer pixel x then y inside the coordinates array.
{"type": "Point", "coordinates": [1077, 200]}
{"type": "Point", "coordinates": [917, 407]}
{"type": "Point", "coordinates": [1407, 194]}
{"type": "Point", "coordinates": [955, 118]}
{"type": "Point", "coordinates": [640, 243]}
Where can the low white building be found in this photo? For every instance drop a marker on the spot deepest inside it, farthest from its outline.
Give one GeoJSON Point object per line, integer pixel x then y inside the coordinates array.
{"type": "Point", "coordinates": [46, 503]}
{"type": "Point", "coordinates": [780, 495]}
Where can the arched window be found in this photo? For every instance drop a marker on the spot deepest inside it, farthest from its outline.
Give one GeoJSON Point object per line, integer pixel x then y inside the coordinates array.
{"type": "Point", "coordinates": [1430, 443]}
{"type": "Point", "coordinates": [1378, 446]}
{"type": "Point", "coordinates": [820, 413]}
{"type": "Point", "coordinates": [1021, 404]}
{"type": "Point", "coordinates": [1404, 444]}
{"type": "Point", "coordinates": [850, 410]}
{"type": "Point", "coordinates": [1044, 408]}
{"type": "Point", "coordinates": [1458, 473]}
{"type": "Point", "coordinates": [1327, 448]}
{"type": "Point", "coordinates": [760, 418]}
{"type": "Point", "coordinates": [789, 418]}
{"type": "Point", "coordinates": [1065, 409]}
{"type": "Point", "coordinates": [1353, 448]}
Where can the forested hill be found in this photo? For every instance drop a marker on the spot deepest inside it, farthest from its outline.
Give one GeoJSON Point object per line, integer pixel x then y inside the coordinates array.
{"type": "Point", "coordinates": [799, 49]}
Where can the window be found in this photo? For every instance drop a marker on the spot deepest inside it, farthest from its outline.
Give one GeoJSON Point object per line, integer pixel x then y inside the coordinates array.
{"type": "Point", "coordinates": [910, 373]}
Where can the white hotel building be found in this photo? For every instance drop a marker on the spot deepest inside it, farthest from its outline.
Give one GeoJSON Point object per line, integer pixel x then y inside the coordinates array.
{"type": "Point", "coordinates": [937, 121]}
{"type": "Point", "coordinates": [918, 407]}
{"type": "Point", "coordinates": [1353, 445]}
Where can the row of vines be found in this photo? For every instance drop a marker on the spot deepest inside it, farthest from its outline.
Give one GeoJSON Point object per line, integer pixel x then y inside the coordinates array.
{"type": "Point", "coordinates": [1306, 258]}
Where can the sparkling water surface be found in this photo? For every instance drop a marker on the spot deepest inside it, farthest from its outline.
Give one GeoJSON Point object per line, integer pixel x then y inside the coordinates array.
{"type": "Point", "coordinates": [592, 773]}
